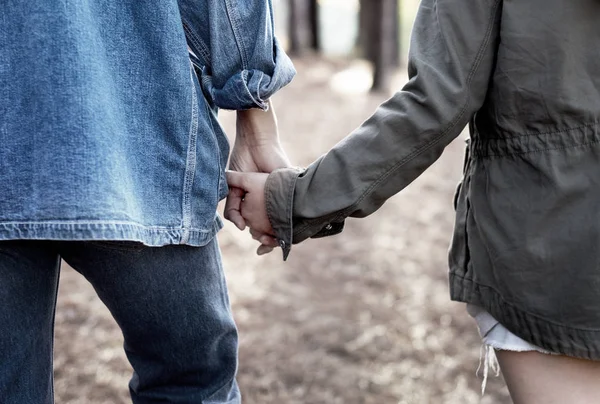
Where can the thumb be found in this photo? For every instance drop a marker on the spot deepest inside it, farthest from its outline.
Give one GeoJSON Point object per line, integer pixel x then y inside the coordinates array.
{"type": "Point", "coordinates": [233, 208]}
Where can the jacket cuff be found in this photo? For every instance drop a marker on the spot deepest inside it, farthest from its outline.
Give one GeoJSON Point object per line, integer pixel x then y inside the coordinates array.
{"type": "Point", "coordinates": [279, 197]}
{"type": "Point", "coordinates": [250, 87]}
{"type": "Point", "coordinates": [317, 230]}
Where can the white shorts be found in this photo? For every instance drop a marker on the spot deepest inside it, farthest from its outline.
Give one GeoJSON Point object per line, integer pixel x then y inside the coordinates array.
{"type": "Point", "coordinates": [495, 336]}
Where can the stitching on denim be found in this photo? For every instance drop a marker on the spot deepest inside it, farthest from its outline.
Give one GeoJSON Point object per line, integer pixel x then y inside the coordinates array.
{"type": "Point", "coordinates": [239, 37]}
{"type": "Point", "coordinates": [196, 41]}
{"type": "Point", "coordinates": [260, 79]}
{"type": "Point", "coordinates": [233, 20]}
{"type": "Point", "coordinates": [258, 102]}
{"type": "Point", "coordinates": [535, 316]}
{"type": "Point", "coordinates": [538, 150]}
{"type": "Point", "coordinates": [215, 134]}
{"type": "Point", "coordinates": [190, 166]}
{"type": "Point", "coordinates": [451, 125]}
{"type": "Point", "coordinates": [99, 223]}
{"type": "Point", "coordinates": [530, 134]}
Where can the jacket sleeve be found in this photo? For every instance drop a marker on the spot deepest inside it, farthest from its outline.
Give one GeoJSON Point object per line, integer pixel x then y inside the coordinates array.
{"type": "Point", "coordinates": [240, 62]}
{"type": "Point", "coordinates": [453, 48]}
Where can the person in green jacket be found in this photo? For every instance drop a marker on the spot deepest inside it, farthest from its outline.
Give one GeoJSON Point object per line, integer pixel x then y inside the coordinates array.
{"type": "Point", "coordinates": [525, 257]}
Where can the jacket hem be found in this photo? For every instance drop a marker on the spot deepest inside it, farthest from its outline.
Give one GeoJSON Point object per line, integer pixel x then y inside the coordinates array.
{"type": "Point", "coordinates": [152, 236]}
{"type": "Point", "coordinates": [553, 337]}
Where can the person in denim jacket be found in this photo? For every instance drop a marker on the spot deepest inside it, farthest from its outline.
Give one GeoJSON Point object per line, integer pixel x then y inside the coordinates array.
{"type": "Point", "coordinates": [524, 75]}
{"type": "Point", "coordinates": [112, 158]}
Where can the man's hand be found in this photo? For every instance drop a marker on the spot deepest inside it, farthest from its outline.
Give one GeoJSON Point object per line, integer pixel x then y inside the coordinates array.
{"type": "Point", "coordinates": [258, 156]}
{"type": "Point", "coordinates": [256, 149]}
{"type": "Point", "coordinates": [253, 207]}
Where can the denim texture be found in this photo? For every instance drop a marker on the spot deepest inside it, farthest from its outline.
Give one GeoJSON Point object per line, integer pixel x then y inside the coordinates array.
{"type": "Point", "coordinates": [170, 302]}
{"type": "Point", "coordinates": [108, 130]}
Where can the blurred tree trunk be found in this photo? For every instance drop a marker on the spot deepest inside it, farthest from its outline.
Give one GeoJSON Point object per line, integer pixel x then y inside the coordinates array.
{"type": "Point", "coordinates": [380, 38]}
{"type": "Point", "coordinates": [314, 25]}
{"type": "Point", "coordinates": [367, 22]}
{"type": "Point", "coordinates": [303, 26]}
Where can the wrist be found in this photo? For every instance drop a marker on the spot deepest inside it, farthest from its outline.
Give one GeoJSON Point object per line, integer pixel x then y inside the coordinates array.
{"type": "Point", "coordinates": [257, 126]}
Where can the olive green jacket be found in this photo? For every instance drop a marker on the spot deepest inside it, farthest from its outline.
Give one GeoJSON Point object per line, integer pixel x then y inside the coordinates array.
{"type": "Point", "coordinates": [525, 76]}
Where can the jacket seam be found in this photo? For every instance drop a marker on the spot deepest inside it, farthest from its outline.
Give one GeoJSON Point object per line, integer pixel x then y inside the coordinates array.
{"type": "Point", "coordinates": [190, 166]}
{"type": "Point", "coordinates": [233, 20]}
{"type": "Point", "coordinates": [196, 41]}
{"type": "Point", "coordinates": [489, 156]}
{"type": "Point", "coordinates": [445, 132]}
{"type": "Point", "coordinates": [214, 132]}
{"type": "Point", "coordinates": [554, 132]}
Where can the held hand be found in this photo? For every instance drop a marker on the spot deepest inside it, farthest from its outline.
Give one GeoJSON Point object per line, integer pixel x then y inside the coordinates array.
{"type": "Point", "coordinates": [256, 149]}
{"type": "Point", "coordinates": [265, 158]}
{"type": "Point", "coordinates": [252, 209]}
{"type": "Point", "coordinates": [259, 156]}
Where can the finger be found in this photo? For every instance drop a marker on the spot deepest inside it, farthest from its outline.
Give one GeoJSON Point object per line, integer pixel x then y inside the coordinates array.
{"type": "Point", "coordinates": [268, 241]}
{"type": "Point", "coordinates": [237, 180]}
{"type": "Point", "coordinates": [263, 249]}
{"type": "Point", "coordinates": [233, 208]}
{"type": "Point", "coordinates": [264, 238]}
{"type": "Point", "coordinates": [256, 235]}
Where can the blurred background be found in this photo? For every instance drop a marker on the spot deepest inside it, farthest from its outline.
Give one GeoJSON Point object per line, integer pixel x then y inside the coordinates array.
{"type": "Point", "coordinates": [360, 318]}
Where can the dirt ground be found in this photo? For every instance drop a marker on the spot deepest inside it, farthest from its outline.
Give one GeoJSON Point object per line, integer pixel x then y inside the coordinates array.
{"type": "Point", "coordinates": [360, 318]}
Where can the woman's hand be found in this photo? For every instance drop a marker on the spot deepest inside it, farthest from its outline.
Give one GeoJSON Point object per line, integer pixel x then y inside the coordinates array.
{"type": "Point", "coordinates": [252, 207]}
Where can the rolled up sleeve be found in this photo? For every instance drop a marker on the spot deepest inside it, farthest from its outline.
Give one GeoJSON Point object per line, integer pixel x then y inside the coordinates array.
{"type": "Point", "coordinates": [452, 55]}
{"type": "Point", "coordinates": [240, 61]}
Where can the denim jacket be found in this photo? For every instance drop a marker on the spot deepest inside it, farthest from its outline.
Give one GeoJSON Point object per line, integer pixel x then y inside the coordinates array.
{"type": "Point", "coordinates": [107, 129]}
{"type": "Point", "coordinates": [524, 75]}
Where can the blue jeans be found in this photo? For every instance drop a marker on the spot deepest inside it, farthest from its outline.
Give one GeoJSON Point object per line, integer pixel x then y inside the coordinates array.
{"type": "Point", "coordinates": [170, 302]}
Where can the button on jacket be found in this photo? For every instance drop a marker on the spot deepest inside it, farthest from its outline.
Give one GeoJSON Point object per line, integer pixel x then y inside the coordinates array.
{"type": "Point", "coordinates": [107, 129]}
{"type": "Point", "coordinates": [525, 76]}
